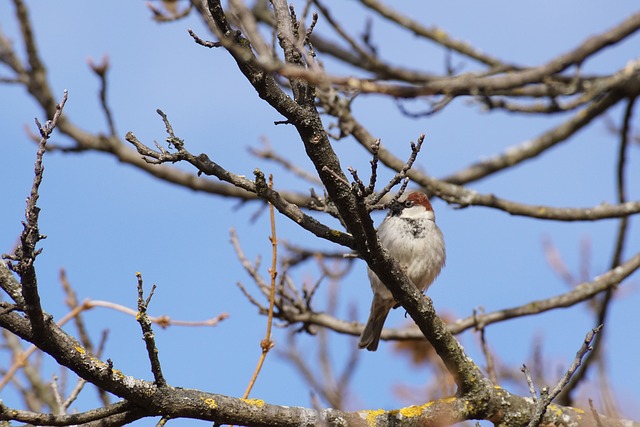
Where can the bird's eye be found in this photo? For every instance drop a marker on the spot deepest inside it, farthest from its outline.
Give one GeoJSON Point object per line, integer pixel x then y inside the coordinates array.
{"type": "Point", "coordinates": [408, 203]}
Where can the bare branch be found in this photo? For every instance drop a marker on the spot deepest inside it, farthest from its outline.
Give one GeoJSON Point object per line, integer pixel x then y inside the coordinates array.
{"type": "Point", "coordinates": [530, 149]}
{"type": "Point", "coordinates": [101, 71]}
{"type": "Point", "coordinates": [147, 333]}
{"type": "Point", "coordinates": [547, 397]}
{"type": "Point", "coordinates": [208, 167]}
{"type": "Point", "coordinates": [267, 343]}
{"type": "Point", "coordinates": [26, 253]}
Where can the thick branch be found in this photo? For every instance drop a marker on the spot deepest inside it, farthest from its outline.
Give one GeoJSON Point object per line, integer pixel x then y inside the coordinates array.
{"type": "Point", "coordinates": [150, 400]}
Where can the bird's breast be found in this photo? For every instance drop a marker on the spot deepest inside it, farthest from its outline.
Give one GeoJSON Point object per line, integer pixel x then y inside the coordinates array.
{"type": "Point", "coordinates": [418, 245]}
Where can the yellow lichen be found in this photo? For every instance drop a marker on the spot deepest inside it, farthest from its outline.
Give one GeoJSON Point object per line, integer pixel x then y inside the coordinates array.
{"type": "Point", "coordinates": [555, 409]}
{"type": "Point", "coordinates": [80, 349]}
{"type": "Point", "coordinates": [411, 411]}
{"type": "Point", "coordinates": [255, 402]}
{"type": "Point", "coordinates": [211, 403]}
{"type": "Point", "coordinates": [448, 399]}
{"type": "Point", "coordinates": [117, 373]}
{"type": "Point", "coordinates": [371, 416]}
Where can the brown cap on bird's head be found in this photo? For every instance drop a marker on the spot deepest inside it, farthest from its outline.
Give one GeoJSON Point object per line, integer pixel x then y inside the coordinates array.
{"type": "Point", "coordinates": [419, 198]}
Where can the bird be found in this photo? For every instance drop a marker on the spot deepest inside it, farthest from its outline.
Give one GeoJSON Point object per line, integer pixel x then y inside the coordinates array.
{"type": "Point", "coordinates": [410, 234]}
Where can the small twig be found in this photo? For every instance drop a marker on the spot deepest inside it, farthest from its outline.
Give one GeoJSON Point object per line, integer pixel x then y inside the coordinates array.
{"type": "Point", "coordinates": [435, 107]}
{"type": "Point", "coordinates": [26, 252]}
{"type": "Point", "coordinates": [401, 175]}
{"type": "Point", "coordinates": [547, 396]}
{"type": "Point", "coordinates": [557, 264]}
{"type": "Point", "coordinates": [248, 25]}
{"type": "Point", "coordinates": [337, 177]}
{"type": "Point", "coordinates": [201, 42]}
{"type": "Point", "coordinates": [267, 343]}
{"type": "Point", "coordinates": [309, 293]}
{"type": "Point", "coordinates": [74, 394]}
{"type": "Point", "coordinates": [147, 333]}
{"type": "Point", "coordinates": [252, 300]}
{"type": "Point", "coordinates": [595, 414]}
{"type": "Point", "coordinates": [532, 389]}
{"type": "Point", "coordinates": [395, 197]}
{"type": "Point", "coordinates": [269, 154]}
{"type": "Point", "coordinates": [172, 140]}
{"type": "Point", "coordinates": [101, 70]}
{"type": "Point", "coordinates": [297, 254]}
{"type": "Point", "coordinates": [375, 148]}
{"type": "Point", "coordinates": [359, 188]}
{"type": "Point", "coordinates": [307, 38]}
{"type": "Point", "coordinates": [362, 52]}
{"type": "Point", "coordinates": [72, 302]}
{"type": "Point", "coordinates": [491, 370]}
{"type": "Point", "coordinates": [55, 390]}
{"type": "Point", "coordinates": [251, 269]}
{"type": "Point", "coordinates": [620, 179]}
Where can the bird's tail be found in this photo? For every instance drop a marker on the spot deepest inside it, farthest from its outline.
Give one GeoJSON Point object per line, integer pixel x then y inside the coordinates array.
{"type": "Point", "coordinates": [371, 334]}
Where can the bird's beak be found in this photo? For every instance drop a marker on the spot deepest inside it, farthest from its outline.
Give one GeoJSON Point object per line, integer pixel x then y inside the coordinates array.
{"type": "Point", "coordinates": [396, 208]}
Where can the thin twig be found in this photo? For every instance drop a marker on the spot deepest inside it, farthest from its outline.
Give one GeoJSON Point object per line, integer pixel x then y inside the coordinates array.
{"type": "Point", "coordinates": [201, 42]}
{"type": "Point", "coordinates": [101, 71]}
{"type": "Point", "coordinates": [402, 173]}
{"type": "Point", "coordinates": [532, 389]}
{"type": "Point", "coordinates": [269, 154]}
{"type": "Point", "coordinates": [595, 414]}
{"type": "Point", "coordinates": [26, 252]}
{"type": "Point", "coordinates": [491, 370]}
{"type": "Point", "coordinates": [267, 343]}
{"type": "Point", "coordinates": [374, 166]}
{"type": "Point", "coordinates": [55, 390]}
{"type": "Point", "coordinates": [147, 333]}
{"type": "Point", "coordinates": [546, 398]}
{"type": "Point", "coordinates": [74, 394]}
{"type": "Point", "coordinates": [72, 302]}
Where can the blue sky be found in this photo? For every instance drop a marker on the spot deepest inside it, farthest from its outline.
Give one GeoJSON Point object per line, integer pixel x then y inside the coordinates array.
{"type": "Point", "coordinates": [105, 221]}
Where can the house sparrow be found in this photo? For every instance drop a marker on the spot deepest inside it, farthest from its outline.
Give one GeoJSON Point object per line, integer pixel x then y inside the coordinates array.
{"type": "Point", "coordinates": [410, 234]}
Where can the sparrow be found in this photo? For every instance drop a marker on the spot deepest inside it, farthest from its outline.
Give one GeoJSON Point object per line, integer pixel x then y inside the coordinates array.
{"type": "Point", "coordinates": [410, 234]}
